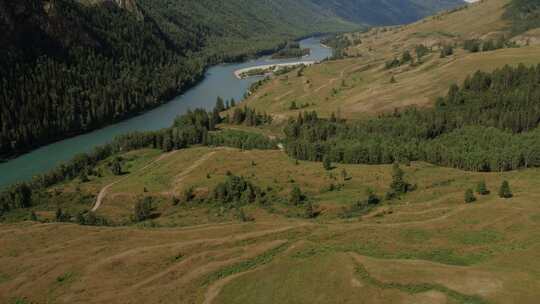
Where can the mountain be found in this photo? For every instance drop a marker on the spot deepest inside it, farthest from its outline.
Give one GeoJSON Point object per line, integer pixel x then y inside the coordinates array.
{"type": "Point", "coordinates": [72, 66]}
{"type": "Point", "coordinates": [68, 67]}
{"type": "Point", "coordinates": [386, 12]}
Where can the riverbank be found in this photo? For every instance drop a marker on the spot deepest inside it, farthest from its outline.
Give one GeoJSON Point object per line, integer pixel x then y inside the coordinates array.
{"type": "Point", "coordinates": [218, 80]}
{"type": "Point", "coordinates": [268, 68]}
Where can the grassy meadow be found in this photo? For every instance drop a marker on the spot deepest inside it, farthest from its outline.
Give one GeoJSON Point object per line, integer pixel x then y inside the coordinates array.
{"type": "Point", "coordinates": [429, 246]}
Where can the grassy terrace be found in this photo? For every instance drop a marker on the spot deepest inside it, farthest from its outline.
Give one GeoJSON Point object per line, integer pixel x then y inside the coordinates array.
{"type": "Point", "coordinates": [429, 246]}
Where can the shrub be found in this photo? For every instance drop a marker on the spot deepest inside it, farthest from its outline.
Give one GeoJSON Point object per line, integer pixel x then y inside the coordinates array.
{"type": "Point", "coordinates": [469, 196]}
{"type": "Point", "coordinates": [372, 198]}
{"type": "Point", "coordinates": [296, 197]}
{"type": "Point", "coordinates": [143, 209]}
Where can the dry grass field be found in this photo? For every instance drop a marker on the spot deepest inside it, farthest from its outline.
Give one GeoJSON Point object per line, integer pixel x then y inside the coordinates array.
{"type": "Point", "coordinates": [427, 247]}
{"type": "Point", "coordinates": [361, 85]}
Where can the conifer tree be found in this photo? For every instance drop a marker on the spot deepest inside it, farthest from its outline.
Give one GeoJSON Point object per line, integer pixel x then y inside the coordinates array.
{"type": "Point", "coordinates": [504, 190]}
{"type": "Point", "coordinates": [116, 167]}
{"type": "Point", "coordinates": [327, 164]}
{"type": "Point", "coordinates": [481, 188]}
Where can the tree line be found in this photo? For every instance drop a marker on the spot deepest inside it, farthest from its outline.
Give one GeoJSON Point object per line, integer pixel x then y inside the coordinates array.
{"type": "Point", "coordinates": [490, 123]}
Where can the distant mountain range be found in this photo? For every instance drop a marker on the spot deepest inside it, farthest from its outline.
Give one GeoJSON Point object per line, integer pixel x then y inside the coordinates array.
{"type": "Point", "coordinates": [385, 12]}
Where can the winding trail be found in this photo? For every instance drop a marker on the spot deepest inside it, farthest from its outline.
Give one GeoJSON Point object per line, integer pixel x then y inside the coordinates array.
{"type": "Point", "coordinates": [182, 175]}
{"type": "Point", "coordinates": [104, 190]}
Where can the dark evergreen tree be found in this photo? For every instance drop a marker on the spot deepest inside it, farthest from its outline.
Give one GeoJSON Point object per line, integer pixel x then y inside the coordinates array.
{"type": "Point", "coordinates": [481, 188]}
{"type": "Point", "coordinates": [220, 106]}
{"type": "Point", "coordinates": [399, 185]}
{"type": "Point", "coordinates": [116, 166]}
{"type": "Point", "coordinates": [504, 190]}
{"type": "Point", "coordinates": [327, 163]}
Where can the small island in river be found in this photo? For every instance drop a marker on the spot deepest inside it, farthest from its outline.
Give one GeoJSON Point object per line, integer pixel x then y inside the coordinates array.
{"type": "Point", "coordinates": [291, 50]}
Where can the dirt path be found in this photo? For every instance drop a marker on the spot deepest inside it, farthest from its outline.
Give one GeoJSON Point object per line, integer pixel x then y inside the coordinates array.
{"type": "Point", "coordinates": [214, 290]}
{"type": "Point", "coordinates": [104, 190]}
{"type": "Point", "coordinates": [278, 98]}
{"type": "Point", "coordinates": [182, 175]}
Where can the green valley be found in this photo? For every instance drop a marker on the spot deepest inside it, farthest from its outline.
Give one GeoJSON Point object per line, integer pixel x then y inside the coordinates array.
{"type": "Point", "coordinates": [403, 169]}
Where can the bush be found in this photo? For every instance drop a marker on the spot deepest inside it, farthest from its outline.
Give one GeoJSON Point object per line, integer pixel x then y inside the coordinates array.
{"type": "Point", "coordinates": [143, 209]}
{"type": "Point", "coordinates": [469, 196]}
{"type": "Point", "coordinates": [372, 198]}
{"type": "Point", "coordinates": [296, 197]}
{"type": "Point", "coordinates": [447, 50]}
{"type": "Point", "coordinates": [237, 191]}
{"type": "Point", "coordinates": [188, 195]}
{"type": "Point", "coordinates": [309, 211]}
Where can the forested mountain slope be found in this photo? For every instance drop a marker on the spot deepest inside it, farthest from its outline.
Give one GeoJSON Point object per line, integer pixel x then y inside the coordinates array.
{"type": "Point", "coordinates": [68, 67]}
{"type": "Point", "coordinates": [71, 66]}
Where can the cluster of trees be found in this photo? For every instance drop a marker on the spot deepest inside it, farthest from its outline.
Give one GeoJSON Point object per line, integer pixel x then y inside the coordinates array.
{"type": "Point", "coordinates": [86, 218]}
{"type": "Point", "coordinates": [291, 50]}
{"type": "Point", "coordinates": [398, 187]}
{"type": "Point", "coordinates": [237, 191]}
{"type": "Point", "coordinates": [248, 116]}
{"type": "Point", "coordinates": [481, 189]}
{"type": "Point", "coordinates": [241, 140]}
{"type": "Point", "coordinates": [488, 124]}
{"type": "Point", "coordinates": [340, 42]}
{"type": "Point", "coordinates": [194, 127]}
{"type": "Point", "coordinates": [295, 106]}
{"type": "Point", "coordinates": [406, 57]}
{"type": "Point", "coordinates": [446, 50]}
{"type": "Point", "coordinates": [477, 45]}
{"type": "Point", "coordinates": [523, 15]}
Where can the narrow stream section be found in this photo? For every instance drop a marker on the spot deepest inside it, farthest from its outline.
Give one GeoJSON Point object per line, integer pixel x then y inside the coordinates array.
{"type": "Point", "coordinates": [219, 80]}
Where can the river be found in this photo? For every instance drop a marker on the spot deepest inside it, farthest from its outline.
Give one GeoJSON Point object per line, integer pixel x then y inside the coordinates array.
{"type": "Point", "coordinates": [219, 81]}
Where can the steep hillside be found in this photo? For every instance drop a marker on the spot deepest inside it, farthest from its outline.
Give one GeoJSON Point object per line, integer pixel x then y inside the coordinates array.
{"type": "Point", "coordinates": [386, 12]}
{"type": "Point", "coordinates": [69, 67]}
{"type": "Point", "coordinates": [361, 84]}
